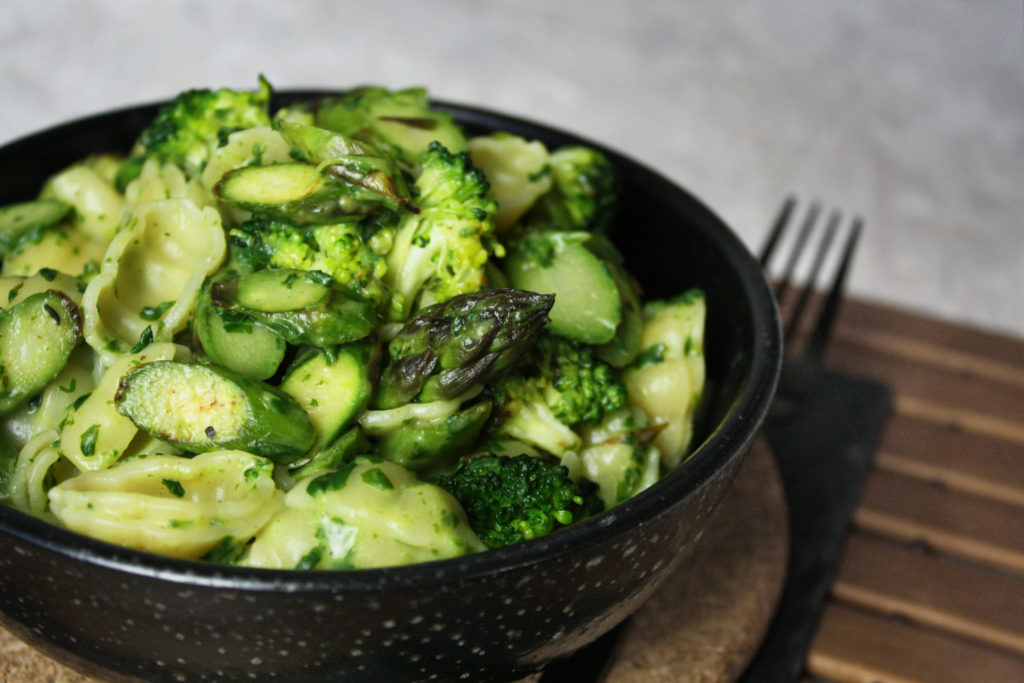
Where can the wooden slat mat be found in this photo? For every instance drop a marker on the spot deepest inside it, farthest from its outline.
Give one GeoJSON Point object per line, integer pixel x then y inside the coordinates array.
{"type": "Point", "coordinates": [931, 585]}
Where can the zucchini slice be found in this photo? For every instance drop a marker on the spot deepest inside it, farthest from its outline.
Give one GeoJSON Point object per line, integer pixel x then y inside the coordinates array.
{"type": "Point", "coordinates": [333, 392]}
{"type": "Point", "coordinates": [588, 307]}
{"type": "Point", "coordinates": [236, 341]}
{"type": "Point", "coordinates": [37, 337]}
{"type": "Point", "coordinates": [296, 192]}
{"type": "Point", "coordinates": [625, 346]}
{"type": "Point", "coordinates": [353, 161]}
{"type": "Point", "coordinates": [303, 307]}
{"type": "Point", "coordinates": [279, 290]}
{"type": "Point", "coordinates": [203, 408]}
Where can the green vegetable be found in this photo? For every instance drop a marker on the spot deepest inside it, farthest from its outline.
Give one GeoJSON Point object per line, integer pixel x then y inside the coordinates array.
{"type": "Point", "coordinates": [400, 123]}
{"type": "Point", "coordinates": [426, 448]}
{"type": "Point", "coordinates": [236, 341]}
{"type": "Point", "coordinates": [584, 193]}
{"type": "Point", "coordinates": [339, 452]}
{"type": "Point", "coordinates": [37, 337]}
{"type": "Point", "coordinates": [560, 386]}
{"type": "Point", "coordinates": [297, 192]}
{"type": "Point", "coordinates": [201, 408]}
{"type": "Point", "coordinates": [625, 346]}
{"type": "Point", "coordinates": [333, 391]}
{"type": "Point", "coordinates": [350, 160]}
{"type": "Point", "coordinates": [352, 254]}
{"type": "Point", "coordinates": [303, 307]}
{"type": "Point", "coordinates": [449, 347]}
{"type": "Point", "coordinates": [191, 126]}
{"type": "Point", "coordinates": [513, 499]}
{"type": "Point", "coordinates": [588, 306]}
{"type": "Point", "coordinates": [441, 249]}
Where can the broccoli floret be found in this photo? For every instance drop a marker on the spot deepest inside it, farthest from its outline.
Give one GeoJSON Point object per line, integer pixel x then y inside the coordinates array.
{"type": "Point", "coordinates": [582, 388]}
{"type": "Point", "coordinates": [442, 247]}
{"type": "Point", "coordinates": [342, 250]}
{"type": "Point", "coordinates": [561, 386]}
{"type": "Point", "coordinates": [186, 130]}
{"type": "Point", "coordinates": [510, 499]}
{"type": "Point", "coordinates": [584, 193]}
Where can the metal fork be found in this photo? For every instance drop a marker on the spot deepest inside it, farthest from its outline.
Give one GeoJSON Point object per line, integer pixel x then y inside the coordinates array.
{"type": "Point", "coordinates": [818, 340]}
{"type": "Point", "coordinates": [823, 428]}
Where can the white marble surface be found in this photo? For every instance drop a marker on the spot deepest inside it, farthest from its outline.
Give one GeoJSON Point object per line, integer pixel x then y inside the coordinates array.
{"type": "Point", "coordinates": [908, 111]}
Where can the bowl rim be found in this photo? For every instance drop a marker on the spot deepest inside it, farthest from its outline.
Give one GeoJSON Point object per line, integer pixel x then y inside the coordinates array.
{"type": "Point", "coordinates": [734, 433]}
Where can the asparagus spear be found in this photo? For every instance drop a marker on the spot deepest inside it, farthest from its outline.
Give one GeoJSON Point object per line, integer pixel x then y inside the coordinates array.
{"type": "Point", "coordinates": [451, 346]}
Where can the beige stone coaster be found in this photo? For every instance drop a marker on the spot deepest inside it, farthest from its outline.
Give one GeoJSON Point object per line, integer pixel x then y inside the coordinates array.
{"type": "Point", "coordinates": [704, 624]}
{"type": "Point", "coordinates": [708, 619]}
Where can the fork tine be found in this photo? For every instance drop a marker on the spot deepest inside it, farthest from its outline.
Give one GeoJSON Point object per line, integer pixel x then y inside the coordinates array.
{"type": "Point", "coordinates": [778, 228]}
{"type": "Point", "coordinates": [798, 247]}
{"type": "Point", "coordinates": [819, 337]}
{"type": "Point", "coordinates": [812, 277]}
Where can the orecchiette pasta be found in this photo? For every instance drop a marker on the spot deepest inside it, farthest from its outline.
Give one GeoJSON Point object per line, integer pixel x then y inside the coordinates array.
{"type": "Point", "coordinates": [28, 487]}
{"type": "Point", "coordinates": [169, 504]}
{"type": "Point", "coordinates": [98, 205]}
{"type": "Point", "coordinates": [669, 388]}
{"type": "Point", "coordinates": [95, 435]}
{"type": "Point", "coordinates": [151, 275]}
{"type": "Point", "coordinates": [159, 181]}
{"type": "Point", "coordinates": [378, 515]}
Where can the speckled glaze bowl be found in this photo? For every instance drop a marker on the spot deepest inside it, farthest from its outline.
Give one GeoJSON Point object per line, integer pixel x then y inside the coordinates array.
{"type": "Point", "coordinates": [499, 615]}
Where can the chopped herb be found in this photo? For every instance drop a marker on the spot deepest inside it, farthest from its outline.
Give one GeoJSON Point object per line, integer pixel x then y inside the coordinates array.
{"type": "Point", "coordinates": [154, 312]}
{"type": "Point", "coordinates": [651, 355]}
{"type": "Point", "coordinates": [376, 478]}
{"type": "Point", "coordinates": [174, 486]}
{"type": "Point", "coordinates": [225, 552]}
{"type": "Point", "coordinates": [71, 387]}
{"type": "Point", "coordinates": [145, 339]}
{"type": "Point", "coordinates": [331, 481]}
{"type": "Point", "coordinates": [311, 559]}
{"type": "Point", "coordinates": [47, 274]}
{"type": "Point", "coordinates": [88, 442]}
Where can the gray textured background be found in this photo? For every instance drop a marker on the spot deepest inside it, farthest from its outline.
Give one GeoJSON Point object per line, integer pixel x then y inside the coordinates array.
{"type": "Point", "coordinates": [908, 111]}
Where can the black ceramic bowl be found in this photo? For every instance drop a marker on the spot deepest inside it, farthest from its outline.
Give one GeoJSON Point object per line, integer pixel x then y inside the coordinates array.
{"type": "Point", "coordinates": [497, 615]}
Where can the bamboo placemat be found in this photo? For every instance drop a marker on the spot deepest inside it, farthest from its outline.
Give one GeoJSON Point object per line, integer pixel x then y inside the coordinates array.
{"type": "Point", "coordinates": [931, 585]}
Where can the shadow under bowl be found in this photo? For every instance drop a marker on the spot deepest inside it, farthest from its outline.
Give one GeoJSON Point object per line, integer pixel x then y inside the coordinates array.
{"type": "Point", "coordinates": [499, 615]}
